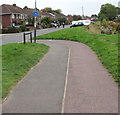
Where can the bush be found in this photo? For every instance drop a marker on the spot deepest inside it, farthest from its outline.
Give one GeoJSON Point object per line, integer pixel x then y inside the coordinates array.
{"type": "Point", "coordinates": [22, 27]}
{"type": "Point", "coordinates": [10, 30]}
{"type": "Point", "coordinates": [46, 22]}
{"type": "Point", "coordinates": [27, 29]}
{"type": "Point", "coordinates": [118, 28]}
{"type": "Point", "coordinates": [104, 27]}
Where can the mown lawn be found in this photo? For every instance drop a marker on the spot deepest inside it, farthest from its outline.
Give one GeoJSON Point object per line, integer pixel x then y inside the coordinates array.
{"type": "Point", "coordinates": [105, 46]}
{"type": "Point", "coordinates": [17, 59]}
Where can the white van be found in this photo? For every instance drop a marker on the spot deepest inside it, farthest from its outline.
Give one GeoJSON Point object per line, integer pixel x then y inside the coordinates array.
{"type": "Point", "coordinates": [85, 22]}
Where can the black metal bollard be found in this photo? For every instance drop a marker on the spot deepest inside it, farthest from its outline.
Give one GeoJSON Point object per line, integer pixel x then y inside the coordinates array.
{"type": "Point", "coordinates": [31, 37]}
{"type": "Point", "coordinates": [24, 35]}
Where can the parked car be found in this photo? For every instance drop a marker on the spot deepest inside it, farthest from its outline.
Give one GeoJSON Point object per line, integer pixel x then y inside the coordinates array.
{"type": "Point", "coordinates": [77, 24]}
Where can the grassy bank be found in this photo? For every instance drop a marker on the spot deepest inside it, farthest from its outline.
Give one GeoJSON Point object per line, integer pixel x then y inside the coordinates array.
{"type": "Point", "coordinates": [17, 59]}
{"type": "Point", "coordinates": [105, 46]}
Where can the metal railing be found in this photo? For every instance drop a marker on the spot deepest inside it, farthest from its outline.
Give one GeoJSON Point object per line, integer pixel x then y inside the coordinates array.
{"type": "Point", "coordinates": [24, 36]}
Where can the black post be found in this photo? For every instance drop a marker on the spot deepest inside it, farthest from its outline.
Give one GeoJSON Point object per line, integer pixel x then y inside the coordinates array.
{"type": "Point", "coordinates": [31, 37]}
{"type": "Point", "coordinates": [35, 34]}
{"type": "Point", "coordinates": [35, 25]}
{"type": "Point", "coordinates": [24, 37]}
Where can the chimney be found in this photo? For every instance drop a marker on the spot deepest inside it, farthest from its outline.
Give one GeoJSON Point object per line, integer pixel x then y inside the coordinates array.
{"type": "Point", "coordinates": [14, 4]}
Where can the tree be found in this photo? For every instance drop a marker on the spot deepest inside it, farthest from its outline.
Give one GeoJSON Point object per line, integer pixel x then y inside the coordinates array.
{"type": "Point", "coordinates": [118, 10]}
{"type": "Point", "coordinates": [108, 12]}
{"type": "Point", "coordinates": [47, 9]}
{"type": "Point", "coordinates": [77, 17]}
{"type": "Point", "coordinates": [57, 11]}
{"type": "Point", "coordinates": [61, 20]}
{"type": "Point", "coordinates": [46, 22]}
{"type": "Point", "coordinates": [30, 20]}
{"type": "Point", "coordinates": [94, 15]}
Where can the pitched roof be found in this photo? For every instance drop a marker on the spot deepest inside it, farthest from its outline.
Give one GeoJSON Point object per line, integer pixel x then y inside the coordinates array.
{"type": "Point", "coordinates": [9, 9]}
{"type": "Point", "coordinates": [28, 10]}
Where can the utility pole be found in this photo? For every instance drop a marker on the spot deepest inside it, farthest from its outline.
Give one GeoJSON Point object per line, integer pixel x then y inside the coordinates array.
{"type": "Point", "coordinates": [35, 25]}
{"type": "Point", "coordinates": [82, 12]}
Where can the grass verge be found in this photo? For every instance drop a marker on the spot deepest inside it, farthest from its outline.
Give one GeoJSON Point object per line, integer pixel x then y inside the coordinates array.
{"type": "Point", "coordinates": [105, 46]}
{"type": "Point", "coordinates": [17, 59]}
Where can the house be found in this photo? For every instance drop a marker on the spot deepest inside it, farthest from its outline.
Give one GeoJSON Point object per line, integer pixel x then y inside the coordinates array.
{"type": "Point", "coordinates": [29, 13]}
{"type": "Point", "coordinates": [11, 15]}
{"type": "Point", "coordinates": [69, 18]}
{"type": "Point", "coordinates": [47, 14]}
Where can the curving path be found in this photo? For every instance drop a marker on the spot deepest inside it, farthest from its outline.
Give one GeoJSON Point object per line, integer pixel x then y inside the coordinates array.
{"type": "Point", "coordinates": [69, 79]}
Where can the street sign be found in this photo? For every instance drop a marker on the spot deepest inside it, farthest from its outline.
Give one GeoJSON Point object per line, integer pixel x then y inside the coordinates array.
{"type": "Point", "coordinates": [35, 13]}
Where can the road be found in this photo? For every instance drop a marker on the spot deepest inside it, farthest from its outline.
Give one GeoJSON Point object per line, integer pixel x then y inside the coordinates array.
{"type": "Point", "coordinates": [18, 37]}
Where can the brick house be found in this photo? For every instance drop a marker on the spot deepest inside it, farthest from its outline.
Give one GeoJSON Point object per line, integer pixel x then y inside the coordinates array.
{"type": "Point", "coordinates": [29, 13]}
{"type": "Point", "coordinates": [11, 15]}
{"type": "Point", "coordinates": [69, 18]}
{"type": "Point", "coordinates": [47, 14]}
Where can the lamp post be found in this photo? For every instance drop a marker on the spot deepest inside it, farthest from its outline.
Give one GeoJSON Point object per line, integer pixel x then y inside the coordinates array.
{"type": "Point", "coordinates": [35, 25]}
{"type": "Point", "coordinates": [82, 12]}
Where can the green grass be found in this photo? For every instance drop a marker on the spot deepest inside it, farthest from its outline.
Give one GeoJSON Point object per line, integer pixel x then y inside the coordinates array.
{"type": "Point", "coordinates": [105, 46]}
{"type": "Point", "coordinates": [17, 59]}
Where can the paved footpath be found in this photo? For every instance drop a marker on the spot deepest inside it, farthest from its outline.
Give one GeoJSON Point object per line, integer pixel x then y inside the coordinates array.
{"type": "Point", "coordinates": [81, 86]}
{"type": "Point", "coordinates": [42, 89]}
{"type": "Point", "coordinates": [90, 89]}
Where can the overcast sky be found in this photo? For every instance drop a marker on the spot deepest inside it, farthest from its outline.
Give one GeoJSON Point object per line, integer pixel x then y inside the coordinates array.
{"type": "Point", "coordinates": [67, 6]}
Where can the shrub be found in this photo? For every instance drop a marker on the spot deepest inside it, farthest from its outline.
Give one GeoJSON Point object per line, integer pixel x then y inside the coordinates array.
{"type": "Point", "coordinates": [10, 30]}
{"type": "Point", "coordinates": [22, 27]}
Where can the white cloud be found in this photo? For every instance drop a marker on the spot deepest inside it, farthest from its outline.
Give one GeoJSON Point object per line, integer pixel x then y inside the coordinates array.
{"type": "Point", "coordinates": [67, 6]}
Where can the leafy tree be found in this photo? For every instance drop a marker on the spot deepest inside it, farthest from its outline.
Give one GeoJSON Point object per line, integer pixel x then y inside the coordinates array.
{"type": "Point", "coordinates": [118, 10]}
{"type": "Point", "coordinates": [77, 17]}
{"type": "Point", "coordinates": [57, 11]}
{"type": "Point", "coordinates": [62, 19]}
{"type": "Point", "coordinates": [46, 22]}
{"type": "Point", "coordinates": [30, 20]}
{"type": "Point", "coordinates": [94, 15]}
{"type": "Point", "coordinates": [108, 12]}
{"type": "Point", "coordinates": [47, 9]}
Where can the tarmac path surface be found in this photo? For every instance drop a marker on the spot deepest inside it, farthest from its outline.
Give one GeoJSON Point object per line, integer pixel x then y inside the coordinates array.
{"type": "Point", "coordinates": [69, 79]}
{"type": "Point", "coordinates": [41, 90]}
{"type": "Point", "coordinates": [90, 88]}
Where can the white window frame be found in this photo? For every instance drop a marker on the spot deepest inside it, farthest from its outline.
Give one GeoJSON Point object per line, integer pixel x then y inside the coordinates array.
{"type": "Point", "coordinates": [13, 16]}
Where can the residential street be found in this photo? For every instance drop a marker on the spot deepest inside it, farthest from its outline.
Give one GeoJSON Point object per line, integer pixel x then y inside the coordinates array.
{"type": "Point", "coordinates": [18, 37]}
{"type": "Point", "coordinates": [66, 80]}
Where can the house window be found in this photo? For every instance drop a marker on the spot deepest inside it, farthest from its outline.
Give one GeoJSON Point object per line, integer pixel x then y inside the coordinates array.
{"type": "Point", "coordinates": [13, 16]}
{"type": "Point", "coordinates": [25, 16]}
{"type": "Point", "coordinates": [0, 26]}
{"type": "Point", "coordinates": [21, 16]}
{"type": "Point", "coordinates": [16, 16]}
